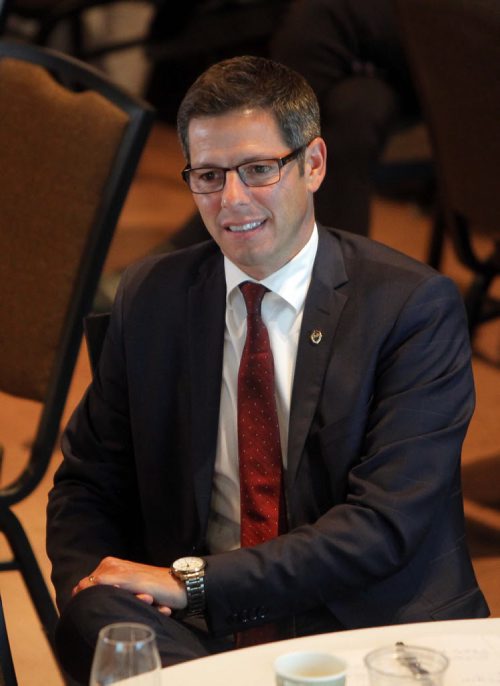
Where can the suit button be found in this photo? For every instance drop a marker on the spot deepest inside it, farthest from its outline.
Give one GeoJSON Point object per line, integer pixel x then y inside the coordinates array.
{"type": "Point", "coordinates": [262, 612]}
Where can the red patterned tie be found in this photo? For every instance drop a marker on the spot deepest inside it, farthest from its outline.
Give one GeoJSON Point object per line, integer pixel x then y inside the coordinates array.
{"type": "Point", "coordinates": [261, 470]}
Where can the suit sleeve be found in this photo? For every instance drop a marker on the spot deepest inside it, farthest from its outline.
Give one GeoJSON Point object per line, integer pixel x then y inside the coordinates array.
{"type": "Point", "coordinates": [399, 486]}
{"type": "Point", "coordinates": [92, 508]}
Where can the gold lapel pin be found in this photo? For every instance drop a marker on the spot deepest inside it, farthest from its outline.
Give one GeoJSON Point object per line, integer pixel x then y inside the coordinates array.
{"type": "Point", "coordinates": [316, 336]}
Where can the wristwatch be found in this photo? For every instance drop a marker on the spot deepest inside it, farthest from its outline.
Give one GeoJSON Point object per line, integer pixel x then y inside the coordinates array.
{"type": "Point", "coordinates": [191, 570]}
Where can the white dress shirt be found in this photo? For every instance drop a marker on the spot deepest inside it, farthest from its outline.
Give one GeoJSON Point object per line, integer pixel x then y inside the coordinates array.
{"type": "Point", "coordinates": [282, 311]}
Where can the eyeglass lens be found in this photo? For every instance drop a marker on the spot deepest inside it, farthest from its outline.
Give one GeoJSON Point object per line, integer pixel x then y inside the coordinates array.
{"type": "Point", "coordinates": [258, 173]}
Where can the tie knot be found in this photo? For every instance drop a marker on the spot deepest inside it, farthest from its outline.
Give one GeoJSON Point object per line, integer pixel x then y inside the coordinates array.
{"type": "Point", "coordinates": [253, 294]}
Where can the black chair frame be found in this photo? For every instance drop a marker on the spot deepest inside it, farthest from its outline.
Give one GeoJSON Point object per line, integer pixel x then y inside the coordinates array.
{"type": "Point", "coordinates": [480, 306]}
{"type": "Point", "coordinates": [78, 76]}
{"type": "Point", "coordinates": [7, 671]}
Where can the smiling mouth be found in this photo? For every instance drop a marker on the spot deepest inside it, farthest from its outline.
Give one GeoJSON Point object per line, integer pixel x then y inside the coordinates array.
{"type": "Point", "coordinates": [242, 228]}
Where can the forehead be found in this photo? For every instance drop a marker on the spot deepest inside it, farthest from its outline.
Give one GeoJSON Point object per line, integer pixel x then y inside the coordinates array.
{"type": "Point", "coordinates": [233, 137]}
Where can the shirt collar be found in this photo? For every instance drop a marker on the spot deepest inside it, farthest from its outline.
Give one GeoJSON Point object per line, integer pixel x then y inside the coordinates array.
{"type": "Point", "coordinates": [290, 282]}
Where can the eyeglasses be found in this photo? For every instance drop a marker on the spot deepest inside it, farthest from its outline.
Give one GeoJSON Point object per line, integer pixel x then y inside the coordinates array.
{"type": "Point", "coordinates": [253, 174]}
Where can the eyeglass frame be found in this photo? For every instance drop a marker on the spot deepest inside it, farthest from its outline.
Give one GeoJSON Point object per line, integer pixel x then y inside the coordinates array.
{"type": "Point", "coordinates": [281, 161]}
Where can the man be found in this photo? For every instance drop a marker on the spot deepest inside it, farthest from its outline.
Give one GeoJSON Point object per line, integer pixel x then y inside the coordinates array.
{"type": "Point", "coordinates": [352, 54]}
{"type": "Point", "coordinates": [371, 400]}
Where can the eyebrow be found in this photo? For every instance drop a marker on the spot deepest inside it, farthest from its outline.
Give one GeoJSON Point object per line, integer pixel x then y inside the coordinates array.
{"type": "Point", "coordinates": [253, 158]}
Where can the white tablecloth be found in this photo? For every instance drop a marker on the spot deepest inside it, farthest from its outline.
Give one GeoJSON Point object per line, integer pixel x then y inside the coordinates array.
{"type": "Point", "coordinates": [473, 647]}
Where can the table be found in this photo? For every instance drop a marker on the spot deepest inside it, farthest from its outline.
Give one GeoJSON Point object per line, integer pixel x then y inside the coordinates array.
{"type": "Point", "coordinates": [473, 646]}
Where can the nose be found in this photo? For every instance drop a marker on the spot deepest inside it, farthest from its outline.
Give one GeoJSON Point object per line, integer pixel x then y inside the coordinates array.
{"type": "Point", "coordinates": [234, 192]}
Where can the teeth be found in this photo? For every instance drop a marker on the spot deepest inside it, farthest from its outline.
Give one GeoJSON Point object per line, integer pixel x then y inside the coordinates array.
{"type": "Point", "coordinates": [244, 227]}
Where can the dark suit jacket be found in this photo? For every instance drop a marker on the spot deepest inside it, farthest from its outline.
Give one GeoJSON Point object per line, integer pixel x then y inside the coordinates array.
{"type": "Point", "coordinates": [379, 411]}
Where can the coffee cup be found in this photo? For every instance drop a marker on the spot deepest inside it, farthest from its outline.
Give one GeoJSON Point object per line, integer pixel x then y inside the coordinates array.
{"type": "Point", "coordinates": [310, 669]}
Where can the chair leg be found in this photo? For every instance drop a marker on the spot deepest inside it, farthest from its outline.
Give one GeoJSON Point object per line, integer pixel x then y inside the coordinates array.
{"type": "Point", "coordinates": [435, 254]}
{"type": "Point", "coordinates": [7, 671]}
{"type": "Point", "coordinates": [25, 562]}
{"type": "Point", "coordinates": [474, 298]}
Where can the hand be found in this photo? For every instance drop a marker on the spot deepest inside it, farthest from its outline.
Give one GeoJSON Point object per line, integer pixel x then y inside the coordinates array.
{"type": "Point", "coordinates": [152, 585]}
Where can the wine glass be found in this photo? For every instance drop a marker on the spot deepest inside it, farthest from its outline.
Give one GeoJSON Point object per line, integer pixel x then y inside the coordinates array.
{"type": "Point", "coordinates": [126, 650]}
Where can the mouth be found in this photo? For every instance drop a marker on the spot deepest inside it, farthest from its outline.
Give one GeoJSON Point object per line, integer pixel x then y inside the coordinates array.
{"type": "Point", "coordinates": [245, 228]}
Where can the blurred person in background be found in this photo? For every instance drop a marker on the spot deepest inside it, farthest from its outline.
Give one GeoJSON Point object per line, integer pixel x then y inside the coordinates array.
{"type": "Point", "coordinates": [351, 53]}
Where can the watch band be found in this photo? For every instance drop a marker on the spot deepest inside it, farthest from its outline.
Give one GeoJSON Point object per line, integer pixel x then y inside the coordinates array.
{"type": "Point", "coordinates": [195, 590]}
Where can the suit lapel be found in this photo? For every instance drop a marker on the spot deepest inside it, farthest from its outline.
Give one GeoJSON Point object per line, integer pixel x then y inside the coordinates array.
{"type": "Point", "coordinates": [206, 321]}
{"type": "Point", "coordinates": [322, 311]}
{"type": "Point", "coordinates": [206, 317]}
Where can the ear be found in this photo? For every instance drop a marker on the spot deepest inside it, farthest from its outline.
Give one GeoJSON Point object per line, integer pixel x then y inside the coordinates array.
{"type": "Point", "coordinates": [315, 163]}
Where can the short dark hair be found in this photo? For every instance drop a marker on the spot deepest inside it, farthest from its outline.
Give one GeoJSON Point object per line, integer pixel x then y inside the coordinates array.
{"type": "Point", "coordinates": [257, 83]}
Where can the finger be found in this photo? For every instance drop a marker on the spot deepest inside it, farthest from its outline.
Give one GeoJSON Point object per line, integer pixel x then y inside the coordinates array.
{"type": "Point", "coordinates": [165, 610]}
{"type": "Point", "coordinates": [84, 583]}
{"type": "Point", "coordinates": [145, 597]}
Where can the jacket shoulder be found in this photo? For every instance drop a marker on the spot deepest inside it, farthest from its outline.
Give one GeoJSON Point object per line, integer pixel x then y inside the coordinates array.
{"type": "Point", "coordinates": [175, 271]}
{"type": "Point", "coordinates": [373, 255]}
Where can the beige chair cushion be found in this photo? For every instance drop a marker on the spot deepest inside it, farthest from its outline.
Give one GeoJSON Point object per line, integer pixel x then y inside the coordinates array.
{"type": "Point", "coordinates": [56, 150]}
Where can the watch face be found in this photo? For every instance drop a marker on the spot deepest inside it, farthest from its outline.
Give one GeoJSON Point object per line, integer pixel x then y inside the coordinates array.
{"type": "Point", "coordinates": [188, 565]}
